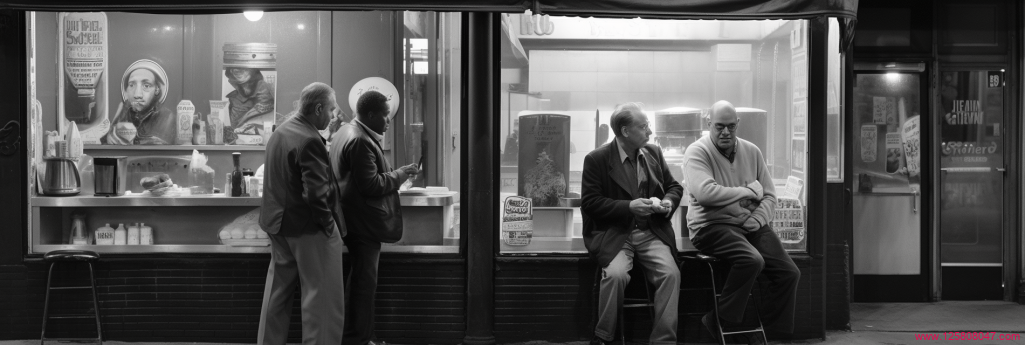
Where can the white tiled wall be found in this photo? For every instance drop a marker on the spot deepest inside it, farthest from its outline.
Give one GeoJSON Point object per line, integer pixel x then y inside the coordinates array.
{"type": "Point", "coordinates": [577, 80]}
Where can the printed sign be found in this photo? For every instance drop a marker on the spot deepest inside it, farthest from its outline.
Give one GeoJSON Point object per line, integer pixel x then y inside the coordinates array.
{"type": "Point", "coordinates": [543, 171]}
{"type": "Point", "coordinates": [869, 133]}
{"type": "Point", "coordinates": [788, 222]}
{"type": "Point", "coordinates": [894, 152]}
{"type": "Point", "coordinates": [912, 145]}
{"type": "Point", "coordinates": [794, 187]}
{"type": "Point", "coordinates": [517, 221]}
{"type": "Point", "coordinates": [83, 83]}
{"type": "Point", "coordinates": [881, 109]}
{"type": "Point", "coordinates": [378, 84]}
{"type": "Point", "coordinates": [798, 153]}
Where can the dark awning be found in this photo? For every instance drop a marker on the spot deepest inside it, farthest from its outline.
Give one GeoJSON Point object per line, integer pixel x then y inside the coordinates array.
{"type": "Point", "coordinates": [717, 9]}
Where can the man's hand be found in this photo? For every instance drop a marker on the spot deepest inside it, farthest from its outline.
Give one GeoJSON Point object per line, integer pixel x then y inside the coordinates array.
{"type": "Point", "coordinates": [406, 171]}
{"type": "Point", "coordinates": [749, 204]}
{"type": "Point", "coordinates": [751, 224]}
{"type": "Point", "coordinates": [641, 207]}
{"type": "Point", "coordinates": [756, 187]}
{"type": "Point", "coordinates": [661, 206]}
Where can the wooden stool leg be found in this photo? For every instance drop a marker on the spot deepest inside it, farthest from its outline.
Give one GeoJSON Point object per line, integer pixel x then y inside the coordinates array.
{"type": "Point", "coordinates": [46, 304]}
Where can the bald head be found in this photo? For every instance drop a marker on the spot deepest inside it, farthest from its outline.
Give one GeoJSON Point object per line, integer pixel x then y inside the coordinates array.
{"type": "Point", "coordinates": [722, 125]}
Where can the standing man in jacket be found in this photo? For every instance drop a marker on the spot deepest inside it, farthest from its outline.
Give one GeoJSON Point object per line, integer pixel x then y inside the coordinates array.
{"type": "Point", "coordinates": [732, 201]}
{"type": "Point", "coordinates": [368, 187]}
{"type": "Point", "coordinates": [300, 216]}
{"type": "Point", "coordinates": [628, 197]}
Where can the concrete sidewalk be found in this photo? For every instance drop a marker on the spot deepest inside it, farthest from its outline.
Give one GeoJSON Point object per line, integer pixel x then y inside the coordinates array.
{"type": "Point", "coordinates": [871, 323]}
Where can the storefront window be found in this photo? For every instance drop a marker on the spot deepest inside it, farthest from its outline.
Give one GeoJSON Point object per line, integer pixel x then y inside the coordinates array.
{"type": "Point", "coordinates": [172, 97]}
{"type": "Point", "coordinates": [562, 78]}
{"type": "Point", "coordinates": [834, 106]}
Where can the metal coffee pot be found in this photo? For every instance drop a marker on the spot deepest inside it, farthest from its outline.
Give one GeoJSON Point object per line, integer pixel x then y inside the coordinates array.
{"type": "Point", "coordinates": [61, 176]}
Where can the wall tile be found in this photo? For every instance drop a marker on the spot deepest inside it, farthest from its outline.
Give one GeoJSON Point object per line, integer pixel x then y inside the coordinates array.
{"type": "Point", "coordinates": [642, 82]}
{"type": "Point", "coordinates": [667, 82]}
{"type": "Point", "coordinates": [612, 82]}
{"type": "Point", "coordinates": [667, 62]}
{"type": "Point", "coordinates": [640, 61]}
{"type": "Point", "coordinates": [612, 61]}
{"type": "Point", "coordinates": [582, 101]}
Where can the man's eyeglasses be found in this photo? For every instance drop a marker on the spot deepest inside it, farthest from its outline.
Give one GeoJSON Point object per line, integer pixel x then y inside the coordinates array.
{"type": "Point", "coordinates": [719, 127]}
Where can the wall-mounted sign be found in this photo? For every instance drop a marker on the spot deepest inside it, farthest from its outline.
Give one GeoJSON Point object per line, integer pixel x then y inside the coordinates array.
{"type": "Point", "coordinates": [82, 85]}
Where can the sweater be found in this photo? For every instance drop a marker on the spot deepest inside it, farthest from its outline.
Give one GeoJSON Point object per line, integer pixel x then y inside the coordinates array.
{"type": "Point", "coordinates": [715, 186]}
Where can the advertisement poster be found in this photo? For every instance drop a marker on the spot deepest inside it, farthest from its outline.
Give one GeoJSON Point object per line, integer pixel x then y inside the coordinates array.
{"type": "Point", "coordinates": [142, 117]}
{"type": "Point", "coordinates": [517, 221]}
{"type": "Point", "coordinates": [894, 152]}
{"type": "Point", "coordinates": [883, 110]}
{"type": "Point", "coordinates": [249, 84]}
{"type": "Point", "coordinates": [800, 121]}
{"type": "Point", "coordinates": [869, 135]}
{"type": "Point", "coordinates": [544, 158]}
{"type": "Point", "coordinates": [911, 138]}
{"type": "Point", "coordinates": [788, 223]}
{"type": "Point", "coordinates": [82, 86]}
{"type": "Point", "coordinates": [798, 153]}
{"type": "Point", "coordinates": [800, 76]}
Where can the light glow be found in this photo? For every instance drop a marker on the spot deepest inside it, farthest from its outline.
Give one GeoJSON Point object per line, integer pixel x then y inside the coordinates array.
{"type": "Point", "coordinates": [253, 15]}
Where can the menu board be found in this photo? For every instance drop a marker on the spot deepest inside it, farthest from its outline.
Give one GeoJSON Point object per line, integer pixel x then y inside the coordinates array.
{"type": "Point", "coordinates": [544, 158]}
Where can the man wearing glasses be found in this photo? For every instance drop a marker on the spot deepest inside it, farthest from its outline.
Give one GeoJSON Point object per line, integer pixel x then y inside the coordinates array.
{"type": "Point", "coordinates": [732, 201]}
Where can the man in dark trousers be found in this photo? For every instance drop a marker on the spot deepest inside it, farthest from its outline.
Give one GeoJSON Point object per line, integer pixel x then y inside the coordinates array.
{"type": "Point", "coordinates": [365, 182]}
{"type": "Point", "coordinates": [628, 197]}
{"type": "Point", "coordinates": [732, 201]}
{"type": "Point", "coordinates": [305, 228]}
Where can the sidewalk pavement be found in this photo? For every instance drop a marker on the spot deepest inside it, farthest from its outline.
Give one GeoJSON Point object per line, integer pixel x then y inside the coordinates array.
{"type": "Point", "coordinates": [871, 323]}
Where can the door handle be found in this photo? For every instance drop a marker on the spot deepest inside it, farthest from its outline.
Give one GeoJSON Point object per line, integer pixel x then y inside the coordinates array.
{"type": "Point", "coordinates": [914, 201]}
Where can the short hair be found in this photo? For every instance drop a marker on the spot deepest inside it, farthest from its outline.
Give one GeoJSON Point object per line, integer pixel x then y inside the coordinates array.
{"type": "Point", "coordinates": [312, 95]}
{"type": "Point", "coordinates": [623, 116]}
{"type": "Point", "coordinates": [371, 102]}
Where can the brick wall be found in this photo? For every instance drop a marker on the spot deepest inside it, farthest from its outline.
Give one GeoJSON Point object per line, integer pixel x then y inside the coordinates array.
{"type": "Point", "coordinates": [420, 300]}
{"type": "Point", "coordinates": [552, 299]}
{"type": "Point", "coordinates": [838, 287]}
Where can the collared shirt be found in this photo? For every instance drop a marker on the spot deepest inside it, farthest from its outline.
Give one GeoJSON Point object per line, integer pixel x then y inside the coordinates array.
{"type": "Point", "coordinates": [637, 176]}
{"type": "Point", "coordinates": [728, 156]}
{"type": "Point", "coordinates": [377, 137]}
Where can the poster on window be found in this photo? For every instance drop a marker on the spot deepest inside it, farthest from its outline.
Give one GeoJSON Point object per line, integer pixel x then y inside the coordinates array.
{"type": "Point", "coordinates": [249, 85]}
{"type": "Point", "coordinates": [788, 223]}
{"type": "Point", "coordinates": [800, 77]}
{"type": "Point", "coordinates": [82, 85]}
{"type": "Point", "coordinates": [517, 221]}
{"type": "Point", "coordinates": [543, 170]}
{"type": "Point", "coordinates": [798, 154]}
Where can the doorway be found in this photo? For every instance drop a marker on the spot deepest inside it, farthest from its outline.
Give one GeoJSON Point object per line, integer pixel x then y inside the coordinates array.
{"type": "Point", "coordinates": [970, 114]}
{"type": "Point", "coordinates": [890, 249]}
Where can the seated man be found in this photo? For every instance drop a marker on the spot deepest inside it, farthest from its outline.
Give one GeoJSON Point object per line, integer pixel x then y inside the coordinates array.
{"type": "Point", "coordinates": [628, 197]}
{"type": "Point", "coordinates": [732, 201]}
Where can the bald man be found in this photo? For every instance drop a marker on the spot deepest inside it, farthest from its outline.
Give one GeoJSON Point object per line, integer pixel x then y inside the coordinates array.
{"type": "Point", "coordinates": [732, 201]}
{"type": "Point", "coordinates": [305, 225]}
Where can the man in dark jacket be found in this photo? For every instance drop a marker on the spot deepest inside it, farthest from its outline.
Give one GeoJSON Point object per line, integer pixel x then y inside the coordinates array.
{"type": "Point", "coordinates": [365, 180]}
{"type": "Point", "coordinates": [628, 197]}
{"type": "Point", "coordinates": [305, 228]}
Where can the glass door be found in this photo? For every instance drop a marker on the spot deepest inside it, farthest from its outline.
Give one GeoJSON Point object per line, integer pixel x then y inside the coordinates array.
{"type": "Point", "coordinates": [970, 110]}
{"type": "Point", "coordinates": [890, 247]}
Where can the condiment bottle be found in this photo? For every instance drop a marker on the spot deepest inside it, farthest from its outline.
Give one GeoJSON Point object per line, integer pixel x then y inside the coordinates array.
{"type": "Point", "coordinates": [198, 131]}
{"type": "Point", "coordinates": [105, 235]}
{"type": "Point", "coordinates": [79, 234]}
{"type": "Point", "coordinates": [133, 234]}
{"type": "Point", "coordinates": [236, 175]}
{"type": "Point", "coordinates": [145, 234]}
{"type": "Point", "coordinates": [120, 235]}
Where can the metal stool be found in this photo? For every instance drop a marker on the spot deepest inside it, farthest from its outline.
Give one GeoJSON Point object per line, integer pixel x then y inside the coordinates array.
{"type": "Point", "coordinates": [53, 257]}
{"type": "Point", "coordinates": [711, 262]}
{"type": "Point", "coordinates": [628, 302]}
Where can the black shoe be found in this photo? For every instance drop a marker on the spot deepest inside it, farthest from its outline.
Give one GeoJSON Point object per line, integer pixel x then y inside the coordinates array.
{"type": "Point", "coordinates": [709, 321]}
{"type": "Point", "coordinates": [598, 341]}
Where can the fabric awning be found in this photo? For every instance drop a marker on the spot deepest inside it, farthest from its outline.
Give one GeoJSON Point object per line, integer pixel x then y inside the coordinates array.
{"type": "Point", "coordinates": [678, 9]}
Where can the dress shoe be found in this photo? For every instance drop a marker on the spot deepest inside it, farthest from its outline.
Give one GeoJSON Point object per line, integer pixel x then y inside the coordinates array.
{"type": "Point", "coordinates": [598, 341]}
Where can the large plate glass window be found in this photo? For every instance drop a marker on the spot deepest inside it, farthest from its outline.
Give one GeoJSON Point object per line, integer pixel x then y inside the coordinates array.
{"type": "Point", "coordinates": [565, 75]}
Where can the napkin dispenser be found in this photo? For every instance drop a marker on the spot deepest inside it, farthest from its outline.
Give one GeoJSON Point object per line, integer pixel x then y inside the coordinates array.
{"type": "Point", "coordinates": [111, 175]}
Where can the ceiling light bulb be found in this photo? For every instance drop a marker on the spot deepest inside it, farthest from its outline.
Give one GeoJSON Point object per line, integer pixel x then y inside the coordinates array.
{"type": "Point", "coordinates": [253, 15]}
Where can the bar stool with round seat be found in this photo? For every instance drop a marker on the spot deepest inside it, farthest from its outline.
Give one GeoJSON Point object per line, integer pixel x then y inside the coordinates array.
{"type": "Point", "coordinates": [628, 301]}
{"type": "Point", "coordinates": [711, 261]}
{"type": "Point", "coordinates": [71, 256]}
